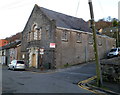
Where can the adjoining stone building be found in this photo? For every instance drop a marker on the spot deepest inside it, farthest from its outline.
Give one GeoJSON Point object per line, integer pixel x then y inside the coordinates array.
{"type": "Point", "coordinates": [10, 52]}
{"type": "Point", "coordinates": [54, 40]}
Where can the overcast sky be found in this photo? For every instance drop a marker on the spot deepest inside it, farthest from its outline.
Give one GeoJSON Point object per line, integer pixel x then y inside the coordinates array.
{"type": "Point", "coordinates": [15, 13]}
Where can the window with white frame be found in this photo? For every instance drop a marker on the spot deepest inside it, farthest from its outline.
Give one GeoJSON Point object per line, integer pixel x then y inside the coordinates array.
{"type": "Point", "coordinates": [78, 37]}
{"type": "Point", "coordinates": [64, 36]}
{"type": "Point", "coordinates": [34, 34]}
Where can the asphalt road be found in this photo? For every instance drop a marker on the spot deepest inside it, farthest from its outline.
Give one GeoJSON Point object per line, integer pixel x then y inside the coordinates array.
{"type": "Point", "coordinates": [61, 81]}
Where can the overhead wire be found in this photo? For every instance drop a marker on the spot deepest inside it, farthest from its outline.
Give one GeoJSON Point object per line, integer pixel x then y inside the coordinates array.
{"type": "Point", "coordinates": [101, 7]}
{"type": "Point", "coordinates": [11, 4]}
{"type": "Point", "coordinates": [77, 8]}
{"type": "Point", "coordinates": [17, 4]}
{"type": "Point", "coordinates": [114, 4]}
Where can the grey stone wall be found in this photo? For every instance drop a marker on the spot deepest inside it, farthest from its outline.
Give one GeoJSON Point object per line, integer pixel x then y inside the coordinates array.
{"type": "Point", "coordinates": [111, 70]}
{"type": "Point", "coordinates": [71, 52]}
{"type": "Point", "coordinates": [67, 52]}
{"type": "Point", "coordinates": [47, 35]}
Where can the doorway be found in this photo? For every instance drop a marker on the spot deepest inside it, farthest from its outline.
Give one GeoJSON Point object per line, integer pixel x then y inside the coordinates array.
{"type": "Point", "coordinates": [33, 60]}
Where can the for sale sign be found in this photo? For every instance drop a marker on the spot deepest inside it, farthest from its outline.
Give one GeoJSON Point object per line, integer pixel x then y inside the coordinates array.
{"type": "Point", "coordinates": [52, 45]}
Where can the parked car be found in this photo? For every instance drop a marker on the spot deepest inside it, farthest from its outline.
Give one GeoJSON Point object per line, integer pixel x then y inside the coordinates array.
{"type": "Point", "coordinates": [114, 53]}
{"type": "Point", "coordinates": [16, 64]}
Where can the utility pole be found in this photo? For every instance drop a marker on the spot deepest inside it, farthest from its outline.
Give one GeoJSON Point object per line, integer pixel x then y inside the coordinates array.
{"type": "Point", "coordinates": [118, 34]}
{"type": "Point", "coordinates": [98, 69]}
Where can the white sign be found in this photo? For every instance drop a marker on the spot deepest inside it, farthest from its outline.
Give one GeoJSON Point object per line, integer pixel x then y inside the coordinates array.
{"type": "Point", "coordinates": [41, 51]}
{"type": "Point", "coordinates": [52, 45]}
{"type": "Point", "coordinates": [23, 56]}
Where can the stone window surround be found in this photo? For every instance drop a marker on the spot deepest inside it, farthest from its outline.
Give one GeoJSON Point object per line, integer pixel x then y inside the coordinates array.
{"type": "Point", "coordinates": [90, 39]}
{"type": "Point", "coordinates": [64, 36]}
{"type": "Point", "coordinates": [99, 41]}
{"type": "Point", "coordinates": [78, 37]}
{"type": "Point", "coordinates": [34, 34]}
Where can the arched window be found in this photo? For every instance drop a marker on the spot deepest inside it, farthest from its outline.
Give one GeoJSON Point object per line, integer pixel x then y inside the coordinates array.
{"type": "Point", "coordinates": [35, 33]}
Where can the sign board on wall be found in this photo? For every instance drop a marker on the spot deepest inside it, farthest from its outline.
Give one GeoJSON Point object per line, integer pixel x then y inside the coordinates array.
{"type": "Point", "coordinates": [52, 45]}
{"type": "Point", "coordinates": [41, 51]}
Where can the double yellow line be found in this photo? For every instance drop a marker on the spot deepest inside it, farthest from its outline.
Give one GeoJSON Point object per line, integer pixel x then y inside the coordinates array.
{"type": "Point", "coordinates": [81, 84]}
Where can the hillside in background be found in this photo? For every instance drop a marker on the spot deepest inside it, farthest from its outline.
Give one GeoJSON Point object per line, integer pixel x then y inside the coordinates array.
{"type": "Point", "coordinates": [108, 27]}
{"type": "Point", "coordinates": [17, 36]}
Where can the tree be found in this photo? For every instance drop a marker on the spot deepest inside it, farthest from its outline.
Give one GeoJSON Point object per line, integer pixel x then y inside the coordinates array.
{"type": "Point", "coordinates": [115, 23]}
{"type": "Point", "coordinates": [103, 24]}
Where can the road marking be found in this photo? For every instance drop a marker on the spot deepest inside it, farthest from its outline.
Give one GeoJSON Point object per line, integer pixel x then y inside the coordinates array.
{"type": "Point", "coordinates": [80, 84]}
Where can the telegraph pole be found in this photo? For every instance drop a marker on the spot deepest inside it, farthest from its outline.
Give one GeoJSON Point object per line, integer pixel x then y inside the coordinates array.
{"type": "Point", "coordinates": [98, 69]}
{"type": "Point", "coordinates": [118, 34]}
{"type": "Point", "coordinates": [118, 31]}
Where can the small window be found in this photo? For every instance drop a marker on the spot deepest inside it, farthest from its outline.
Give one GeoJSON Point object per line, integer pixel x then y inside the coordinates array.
{"type": "Point", "coordinates": [90, 39]}
{"type": "Point", "coordinates": [99, 41]}
{"type": "Point", "coordinates": [64, 36]}
{"type": "Point", "coordinates": [113, 50]}
{"type": "Point", "coordinates": [79, 37]}
{"type": "Point", "coordinates": [39, 35]}
{"type": "Point", "coordinates": [35, 35]}
{"type": "Point", "coordinates": [20, 62]}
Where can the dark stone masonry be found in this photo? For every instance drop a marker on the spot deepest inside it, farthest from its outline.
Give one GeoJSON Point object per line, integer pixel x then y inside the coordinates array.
{"type": "Point", "coordinates": [111, 70]}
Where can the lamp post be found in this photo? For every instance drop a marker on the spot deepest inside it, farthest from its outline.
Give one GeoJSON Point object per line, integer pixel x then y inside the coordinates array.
{"type": "Point", "coordinates": [98, 71]}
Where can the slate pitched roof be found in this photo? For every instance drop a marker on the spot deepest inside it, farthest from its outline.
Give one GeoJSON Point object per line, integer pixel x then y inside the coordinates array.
{"type": "Point", "coordinates": [66, 21]}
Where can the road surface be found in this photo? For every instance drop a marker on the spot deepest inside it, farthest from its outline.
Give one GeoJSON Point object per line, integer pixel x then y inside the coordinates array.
{"type": "Point", "coordinates": [61, 81]}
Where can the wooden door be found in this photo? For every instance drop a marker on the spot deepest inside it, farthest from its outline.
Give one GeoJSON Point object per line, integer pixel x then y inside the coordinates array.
{"type": "Point", "coordinates": [34, 60]}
